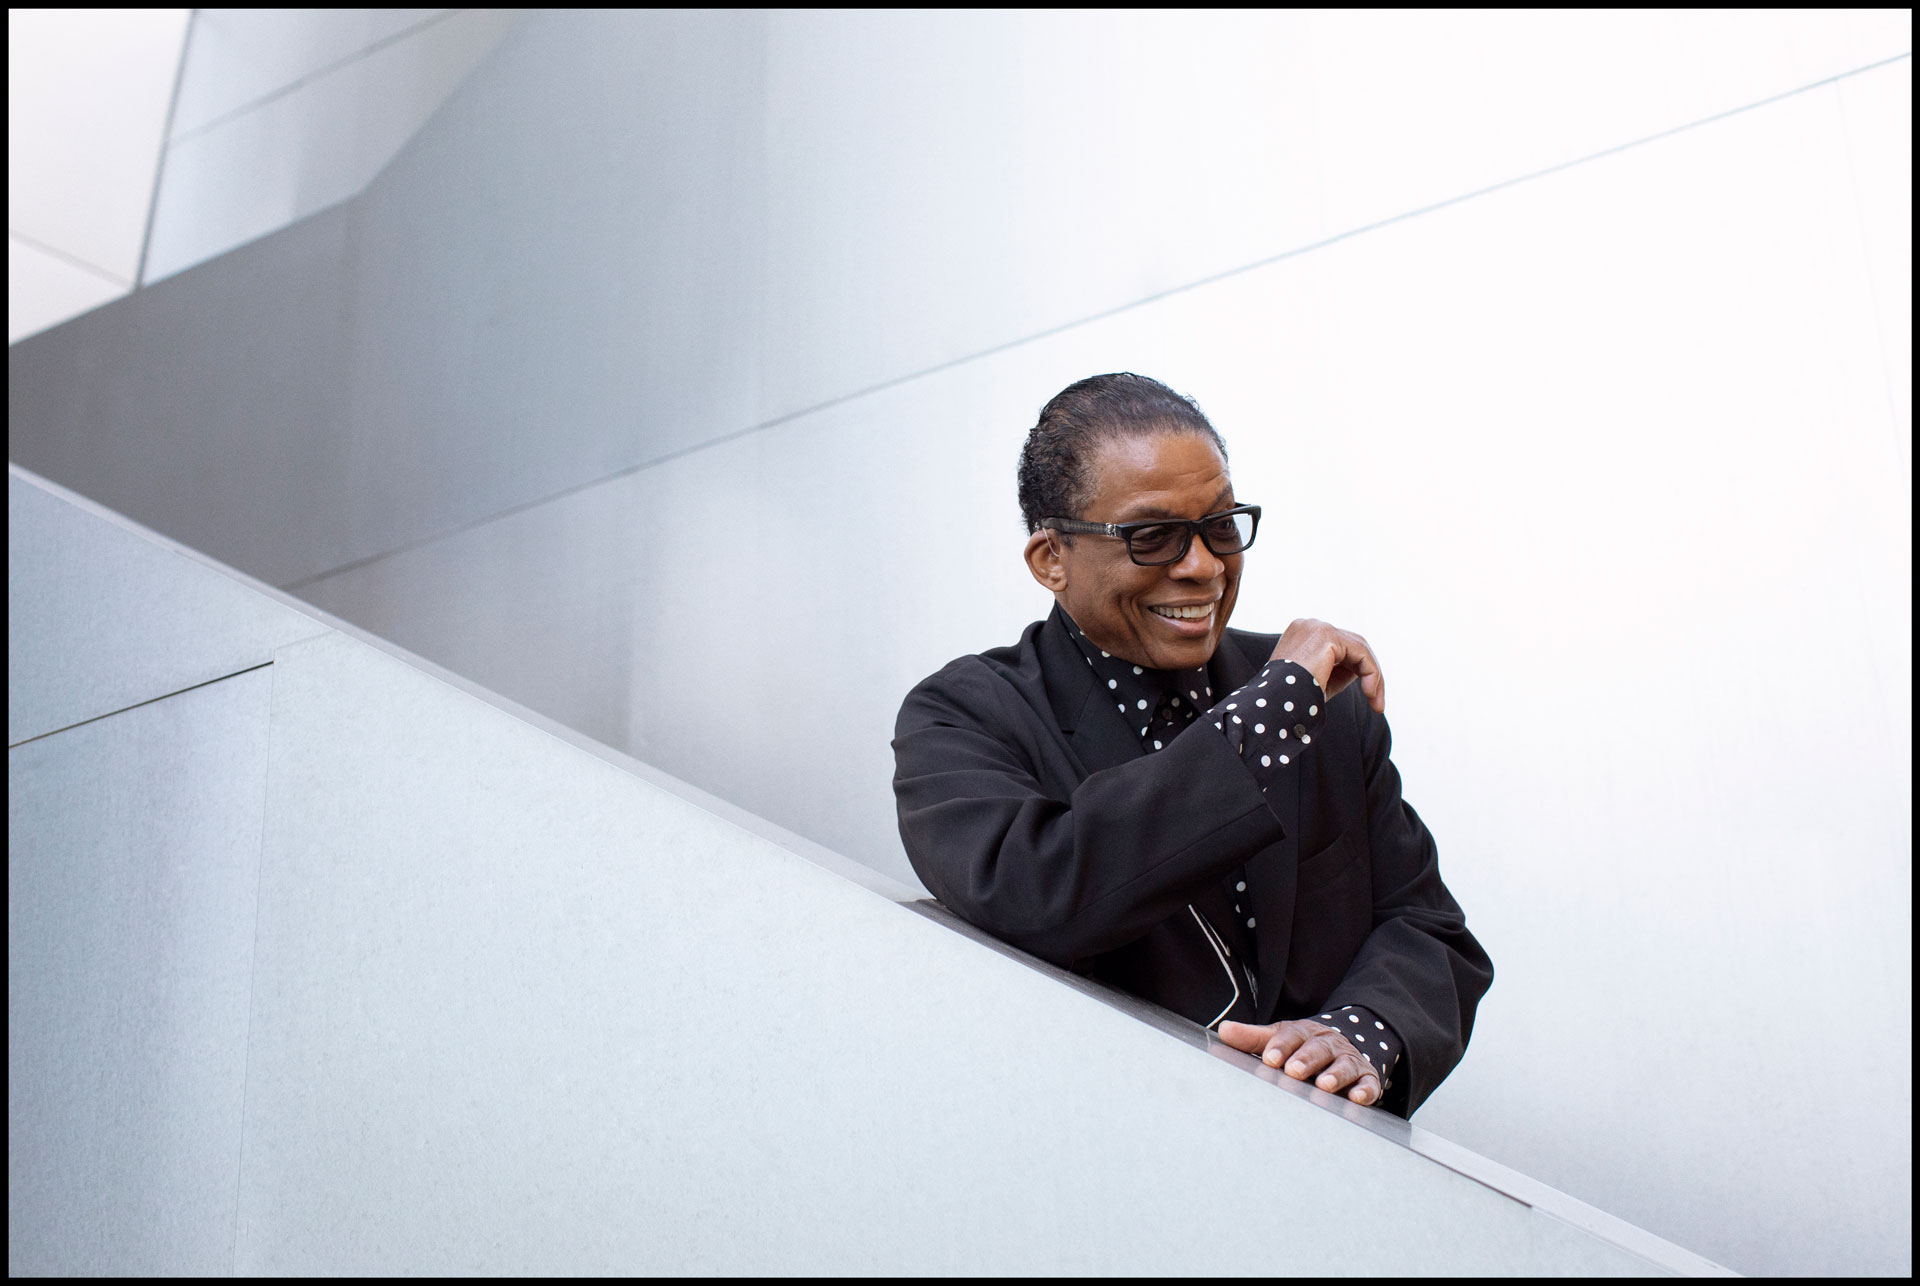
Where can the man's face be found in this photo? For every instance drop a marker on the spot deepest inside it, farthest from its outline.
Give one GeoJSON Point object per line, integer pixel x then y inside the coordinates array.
{"type": "Point", "coordinates": [1123, 607]}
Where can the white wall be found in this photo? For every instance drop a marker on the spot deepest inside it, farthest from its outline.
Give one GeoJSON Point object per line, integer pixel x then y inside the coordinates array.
{"type": "Point", "coordinates": [1569, 354]}
{"type": "Point", "coordinates": [87, 95]}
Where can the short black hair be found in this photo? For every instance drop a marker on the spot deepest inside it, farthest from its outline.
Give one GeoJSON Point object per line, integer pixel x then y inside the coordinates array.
{"type": "Point", "coordinates": [1083, 416]}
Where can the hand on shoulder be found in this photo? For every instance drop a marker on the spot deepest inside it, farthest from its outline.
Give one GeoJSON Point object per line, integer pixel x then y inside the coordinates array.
{"type": "Point", "coordinates": [1335, 657]}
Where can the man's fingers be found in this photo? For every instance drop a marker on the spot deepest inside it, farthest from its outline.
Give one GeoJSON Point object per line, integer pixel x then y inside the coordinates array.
{"type": "Point", "coordinates": [1285, 1039]}
{"type": "Point", "coordinates": [1270, 1043]}
{"type": "Point", "coordinates": [1373, 685]}
{"type": "Point", "coordinates": [1245, 1037]}
{"type": "Point", "coordinates": [1374, 688]}
{"type": "Point", "coordinates": [1358, 661]}
{"type": "Point", "coordinates": [1366, 1090]}
{"type": "Point", "coordinates": [1343, 1071]}
{"type": "Point", "coordinates": [1359, 655]}
{"type": "Point", "coordinates": [1308, 1051]}
{"type": "Point", "coordinates": [1311, 1057]}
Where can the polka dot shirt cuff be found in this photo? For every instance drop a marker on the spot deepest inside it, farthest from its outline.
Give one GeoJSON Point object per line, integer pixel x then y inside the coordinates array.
{"type": "Point", "coordinates": [1272, 720]}
{"type": "Point", "coordinates": [1370, 1035]}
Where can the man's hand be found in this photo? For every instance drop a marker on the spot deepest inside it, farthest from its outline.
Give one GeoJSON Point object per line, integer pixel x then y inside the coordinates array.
{"type": "Point", "coordinates": [1308, 1048]}
{"type": "Point", "coordinates": [1336, 658]}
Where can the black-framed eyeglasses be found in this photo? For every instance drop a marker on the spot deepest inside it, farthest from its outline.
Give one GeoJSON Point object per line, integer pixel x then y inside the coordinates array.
{"type": "Point", "coordinates": [1159, 541]}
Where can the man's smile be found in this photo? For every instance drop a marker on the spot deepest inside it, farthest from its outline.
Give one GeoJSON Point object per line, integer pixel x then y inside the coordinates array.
{"type": "Point", "coordinates": [1196, 612]}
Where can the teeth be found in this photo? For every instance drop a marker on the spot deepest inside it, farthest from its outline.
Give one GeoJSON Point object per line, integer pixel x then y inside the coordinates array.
{"type": "Point", "coordinates": [1187, 613]}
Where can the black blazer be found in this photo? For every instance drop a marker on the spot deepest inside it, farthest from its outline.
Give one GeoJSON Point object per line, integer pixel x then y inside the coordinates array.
{"type": "Point", "coordinates": [1030, 808]}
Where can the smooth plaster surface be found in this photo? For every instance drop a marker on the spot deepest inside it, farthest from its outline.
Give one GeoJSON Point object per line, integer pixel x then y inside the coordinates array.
{"type": "Point", "coordinates": [133, 850]}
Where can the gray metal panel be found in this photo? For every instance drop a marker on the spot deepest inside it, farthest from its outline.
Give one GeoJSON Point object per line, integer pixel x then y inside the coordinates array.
{"type": "Point", "coordinates": [473, 332]}
{"type": "Point", "coordinates": [559, 278]}
{"type": "Point", "coordinates": [210, 406]}
{"type": "Point", "coordinates": [515, 1011]}
{"type": "Point", "coordinates": [100, 618]}
{"type": "Point", "coordinates": [132, 859]}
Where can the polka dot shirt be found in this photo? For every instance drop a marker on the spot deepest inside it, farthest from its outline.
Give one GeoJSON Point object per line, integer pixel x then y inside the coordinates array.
{"type": "Point", "coordinates": [1271, 722]}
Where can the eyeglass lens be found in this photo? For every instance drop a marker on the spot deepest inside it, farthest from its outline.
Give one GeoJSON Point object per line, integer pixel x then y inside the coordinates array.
{"type": "Point", "coordinates": [1167, 542]}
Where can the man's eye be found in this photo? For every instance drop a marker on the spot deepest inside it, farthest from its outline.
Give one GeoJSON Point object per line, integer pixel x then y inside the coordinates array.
{"type": "Point", "coordinates": [1230, 533]}
{"type": "Point", "coordinates": [1148, 540]}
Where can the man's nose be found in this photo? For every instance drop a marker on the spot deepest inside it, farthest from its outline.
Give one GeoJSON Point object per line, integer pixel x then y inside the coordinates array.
{"type": "Point", "coordinates": [1198, 563]}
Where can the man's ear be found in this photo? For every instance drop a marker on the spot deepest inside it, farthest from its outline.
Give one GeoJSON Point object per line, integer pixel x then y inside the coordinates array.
{"type": "Point", "coordinates": [1043, 560]}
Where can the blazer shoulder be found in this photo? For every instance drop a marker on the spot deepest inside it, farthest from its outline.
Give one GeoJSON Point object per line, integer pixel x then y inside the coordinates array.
{"type": "Point", "coordinates": [968, 682]}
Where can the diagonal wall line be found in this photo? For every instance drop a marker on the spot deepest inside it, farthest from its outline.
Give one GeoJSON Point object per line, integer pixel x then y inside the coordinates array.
{"type": "Point", "coordinates": [65, 257]}
{"type": "Point", "coordinates": [166, 134]}
{"type": "Point", "coordinates": [1873, 287]}
{"type": "Point", "coordinates": [1088, 320]}
{"type": "Point", "coordinates": [54, 732]}
{"type": "Point", "coordinates": [310, 77]}
{"type": "Point", "coordinates": [253, 973]}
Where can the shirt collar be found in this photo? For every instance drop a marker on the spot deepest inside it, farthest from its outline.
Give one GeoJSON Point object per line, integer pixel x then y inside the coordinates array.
{"type": "Point", "coordinates": [1136, 690]}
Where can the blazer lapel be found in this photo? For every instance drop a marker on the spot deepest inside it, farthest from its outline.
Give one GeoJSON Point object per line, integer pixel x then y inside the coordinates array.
{"type": "Point", "coordinates": [1102, 739]}
{"type": "Point", "coordinates": [1099, 736]}
{"type": "Point", "coordinates": [1272, 874]}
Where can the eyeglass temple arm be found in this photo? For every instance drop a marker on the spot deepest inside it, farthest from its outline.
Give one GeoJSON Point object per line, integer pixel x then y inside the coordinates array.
{"type": "Point", "coordinates": [1076, 525]}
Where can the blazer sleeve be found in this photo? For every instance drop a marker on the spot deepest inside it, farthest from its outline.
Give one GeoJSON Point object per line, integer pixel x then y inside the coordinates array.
{"type": "Point", "coordinates": [1076, 869]}
{"type": "Point", "coordinates": [1419, 969]}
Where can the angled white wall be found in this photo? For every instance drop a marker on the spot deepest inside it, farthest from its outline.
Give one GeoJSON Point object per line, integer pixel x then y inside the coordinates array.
{"type": "Point", "coordinates": [284, 112]}
{"type": "Point", "coordinates": [144, 141]}
{"type": "Point", "coordinates": [333, 966]}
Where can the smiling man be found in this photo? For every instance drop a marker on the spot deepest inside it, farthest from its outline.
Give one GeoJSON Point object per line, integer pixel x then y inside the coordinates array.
{"type": "Point", "coordinates": [1201, 816]}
